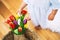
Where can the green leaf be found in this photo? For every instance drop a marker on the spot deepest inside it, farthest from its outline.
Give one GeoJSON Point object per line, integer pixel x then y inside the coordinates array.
{"type": "Point", "coordinates": [16, 31]}
{"type": "Point", "coordinates": [22, 17]}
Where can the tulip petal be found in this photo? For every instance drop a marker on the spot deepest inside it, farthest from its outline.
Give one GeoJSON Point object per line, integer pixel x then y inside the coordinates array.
{"type": "Point", "coordinates": [19, 21]}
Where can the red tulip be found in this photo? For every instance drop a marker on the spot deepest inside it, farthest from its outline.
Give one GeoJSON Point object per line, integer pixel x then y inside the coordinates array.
{"type": "Point", "coordinates": [19, 29]}
{"type": "Point", "coordinates": [8, 21]}
{"type": "Point", "coordinates": [23, 12]}
{"type": "Point", "coordinates": [12, 18]}
{"type": "Point", "coordinates": [12, 25]}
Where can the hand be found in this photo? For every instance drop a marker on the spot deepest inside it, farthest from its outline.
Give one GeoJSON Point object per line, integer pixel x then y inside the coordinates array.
{"type": "Point", "coordinates": [19, 12]}
{"type": "Point", "coordinates": [28, 18]}
{"type": "Point", "coordinates": [52, 15]}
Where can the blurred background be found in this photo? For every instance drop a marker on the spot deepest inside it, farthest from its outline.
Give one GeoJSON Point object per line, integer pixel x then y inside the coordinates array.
{"type": "Point", "coordinates": [9, 7]}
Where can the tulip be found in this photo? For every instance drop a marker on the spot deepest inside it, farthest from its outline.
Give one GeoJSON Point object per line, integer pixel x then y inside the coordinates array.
{"type": "Point", "coordinates": [12, 25]}
{"type": "Point", "coordinates": [16, 16]}
{"type": "Point", "coordinates": [15, 22]}
{"type": "Point", "coordinates": [25, 21]}
{"type": "Point", "coordinates": [19, 21]}
{"type": "Point", "coordinates": [23, 12]}
{"type": "Point", "coordinates": [20, 29]}
{"type": "Point", "coordinates": [26, 26]}
{"type": "Point", "coordinates": [12, 18]}
{"type": "Point", "coordinates": [8, 21]}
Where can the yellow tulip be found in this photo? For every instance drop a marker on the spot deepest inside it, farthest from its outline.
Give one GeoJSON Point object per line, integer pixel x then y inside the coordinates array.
{"type": "Point", "coordinates": [16, 16]}
{"type": "Point", "coordinates": [26, 25]}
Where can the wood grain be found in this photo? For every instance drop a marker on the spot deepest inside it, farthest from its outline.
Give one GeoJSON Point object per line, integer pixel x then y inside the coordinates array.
{"type": "Point", "coordinates": [11, 7]}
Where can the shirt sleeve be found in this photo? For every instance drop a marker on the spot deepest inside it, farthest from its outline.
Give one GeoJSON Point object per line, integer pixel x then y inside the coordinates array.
{"type": "Point", "coordinates": [55, 4]}
{"type": "Point", "coordinates": [26, 1]}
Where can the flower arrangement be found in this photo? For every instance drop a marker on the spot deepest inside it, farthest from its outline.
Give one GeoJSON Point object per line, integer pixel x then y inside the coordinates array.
{"type": "Point", "coordinates": [17, 23]}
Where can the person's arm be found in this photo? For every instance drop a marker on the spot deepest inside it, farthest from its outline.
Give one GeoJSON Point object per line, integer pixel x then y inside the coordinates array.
{"type": "Point", "coordinates": [52, 14]}
{"type": "Point", "coordinates": [22, 6]}
{"type": "Point", "coordinates": [55, 5]}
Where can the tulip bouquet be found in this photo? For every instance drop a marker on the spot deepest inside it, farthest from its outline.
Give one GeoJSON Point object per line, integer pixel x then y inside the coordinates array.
{"type": "Point", "coordinates": [17, 23]}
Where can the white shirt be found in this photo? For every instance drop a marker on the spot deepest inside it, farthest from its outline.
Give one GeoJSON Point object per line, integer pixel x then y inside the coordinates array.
{"type": "Point", "coordinates": [38, 10]}
{"type": "Point", "coordinates": [41, 8]}
{"type": "Point", "coordinates": [55, 24]}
